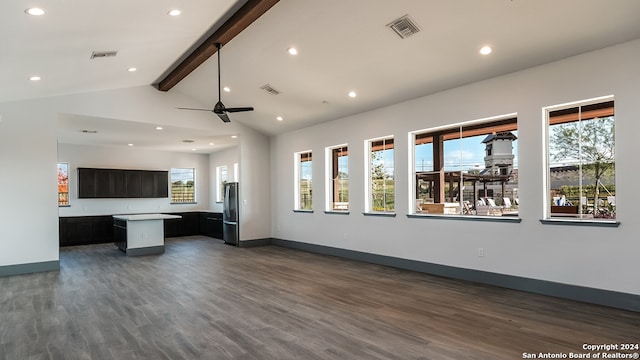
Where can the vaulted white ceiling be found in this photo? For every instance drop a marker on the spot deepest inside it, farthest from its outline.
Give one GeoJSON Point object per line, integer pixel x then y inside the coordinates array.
{"type": "Point", "coordinates": [343, 45]}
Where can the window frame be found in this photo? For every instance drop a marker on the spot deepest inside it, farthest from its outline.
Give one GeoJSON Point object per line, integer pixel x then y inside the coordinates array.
{"type": "Point", "coordinates": [297, 166]}
{"type": "Point", "coordinates": [582, 217]}
{"type": "Point", "coordinates": [457, 131]}
{"type": "Point", "coordinates": [332, 167]}
{"type": "Point", "coordinates": [369, 150]}
{"type": "Point", "coordinates": [171, 181]}
{"type": "Point", "coordinates": [61, 185]}
{"type": "Point", "coordinates": [221, 180]}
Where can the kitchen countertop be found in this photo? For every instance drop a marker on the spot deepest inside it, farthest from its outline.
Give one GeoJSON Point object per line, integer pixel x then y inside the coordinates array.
{"type": "Point", "coordinates": [141, 217]}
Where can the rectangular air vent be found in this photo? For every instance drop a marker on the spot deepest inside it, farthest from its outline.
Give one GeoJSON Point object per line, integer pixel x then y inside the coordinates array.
{"type": "Point", "coordinates": [404, 27]}
{"type": "Point", "coordinates": [269, 89]}
{"type": "Point", "coordinates": [103, 54]}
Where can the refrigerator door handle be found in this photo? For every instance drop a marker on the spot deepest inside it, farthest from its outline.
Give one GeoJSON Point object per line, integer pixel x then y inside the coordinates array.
{"type": "Point", "coordinates": [226, 201]}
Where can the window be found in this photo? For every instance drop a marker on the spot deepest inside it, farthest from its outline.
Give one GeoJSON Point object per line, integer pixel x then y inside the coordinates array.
{"type": "Point", "coordinates": [183, 186]}
{"type": "Point", "coordinates": [303, 174]}
{"type": "Point", "coordinates": [63, 184]}
{"type": "Point", "coordinates": [338, 184]}
{"type": "Point", "coordinates": [467, 169]}
{"type": "Point", "coordinates": [221, 179]}
{"type": "Point", "coordinates": [380, 176]}
{"type": "Point", "coordinates": [581, 160]}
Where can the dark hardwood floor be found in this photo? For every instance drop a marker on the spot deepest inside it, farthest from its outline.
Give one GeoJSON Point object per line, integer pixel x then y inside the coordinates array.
{"type": "Point", "coordinates": [202, 299]}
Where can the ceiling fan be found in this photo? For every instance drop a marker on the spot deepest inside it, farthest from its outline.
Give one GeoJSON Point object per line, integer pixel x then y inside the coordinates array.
{"type": "Point", "coordinates": [219, 109]}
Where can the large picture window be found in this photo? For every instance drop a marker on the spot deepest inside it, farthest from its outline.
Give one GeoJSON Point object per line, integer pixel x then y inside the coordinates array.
{"type": "Point", "coordinates": [63, 184]}
{"type": "Point", "coordinates": [338, 183]}
{"type": "Point", "coordinates": [304, 176]}
{"type": "Point", "coordinates": [380, 185]}
{"type": "Point", "coordinates": [183, 186]}
{"type": "Point", "coordinates": [467, 169]}
{"type": "Point", "coordinates": [581, 161]}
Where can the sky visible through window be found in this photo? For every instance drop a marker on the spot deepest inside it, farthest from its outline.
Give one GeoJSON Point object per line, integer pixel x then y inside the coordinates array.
{"type": "Point", "coordinates": [472, 154]}
{"type": "Point", "coordinates": [183, 175]}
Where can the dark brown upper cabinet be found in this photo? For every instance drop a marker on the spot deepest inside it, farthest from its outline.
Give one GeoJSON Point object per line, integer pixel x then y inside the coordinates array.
{"type": "Point", "coordinates": [116, 183]}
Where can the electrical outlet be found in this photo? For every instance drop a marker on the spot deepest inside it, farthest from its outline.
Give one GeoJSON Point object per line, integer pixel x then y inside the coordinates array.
{"type": "Point", "coordinates": [480, 252]}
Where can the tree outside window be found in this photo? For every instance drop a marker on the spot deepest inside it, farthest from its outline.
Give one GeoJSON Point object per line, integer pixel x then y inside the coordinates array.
{"type": "Point", "coordinates": [63, 184]}
{"type": "Point", "coordinates": [582, 161]}
{"type": "Point", "coordinates": [381, 181]}
{"type": "Point", "coordinates": [338, 184]}
{"type": "Point", "coordinates": [304, 177]}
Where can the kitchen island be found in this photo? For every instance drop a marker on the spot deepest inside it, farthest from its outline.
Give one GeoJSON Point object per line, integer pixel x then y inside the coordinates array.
{"type": "Point", "coordinates": [140, 234]}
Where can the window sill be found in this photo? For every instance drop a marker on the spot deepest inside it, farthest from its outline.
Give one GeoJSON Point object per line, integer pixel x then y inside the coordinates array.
{"type": "Point", "coordinates": [337, 212]}
{"type": "Point", "coordinates": [62, 206]}
{"type": "Point", "coordinates": [502, 219]}
{"type": "Point", "coordinates": [303, 211]}
{"type": "Point", "coordinates": [183, 203]}
{"type": "Point", "coordinates": [573, 222]}
{"type": "Point", "coordinates": [383, 214]}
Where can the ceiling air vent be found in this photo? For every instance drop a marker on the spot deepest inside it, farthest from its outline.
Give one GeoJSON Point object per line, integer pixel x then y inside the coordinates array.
{"type": "Point", "coordinates": [103, 54]}
{"type": "Point", "coordinates": [269, 89]}
{"type": "Point", "coordinates": [404, 27]}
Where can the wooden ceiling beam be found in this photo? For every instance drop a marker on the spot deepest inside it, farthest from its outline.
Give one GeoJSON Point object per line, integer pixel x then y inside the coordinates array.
{"type": "Point", "coordinates": [239, 21]}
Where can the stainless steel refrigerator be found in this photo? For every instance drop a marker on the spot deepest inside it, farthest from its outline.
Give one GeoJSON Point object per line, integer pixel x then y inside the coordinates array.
{"type": "Point", "coordinates": [230, 223]}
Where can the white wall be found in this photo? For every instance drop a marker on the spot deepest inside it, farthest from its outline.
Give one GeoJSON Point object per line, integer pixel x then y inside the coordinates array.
{"type": "Point", "coordinates": [226, 158]}
{"type": "Point", "coordinates": [130, 158]}
{"type": "Point", "coordinates": [255, 185]}
{"type": "Point", "coordinates": [28, 182]}
{"type": "Point", "coordinates": [598, 257]}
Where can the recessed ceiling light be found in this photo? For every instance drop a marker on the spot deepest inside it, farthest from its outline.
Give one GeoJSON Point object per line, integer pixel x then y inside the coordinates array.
{"type": "Point", "coordinates": [131, 69]}
{"type": "Point", "coordinates": [193, 149]}
{"type": "Point", "coordinates": [211, 144]}
{"type": "Point", "coordinates": [352, 94]}
{"type": "Point", "coordinates": [226, 88]}
{"type": "Point", "coordinates": [174, 12]}
{"type": "Point", "coordinates": [159, 128]}
{"type": "Point", "coordinates": [485, 50]}
{"type": "Point", "coordinates": [129, 144]}
{"type": "Point", "coordinates": [34, 78]}
{"type": "Point", "coordinates": [234, 136]}
{"type": "Point", "coordinates": [292, 51]}
{"type": "Point", "coordinates": [279, 118]}
{"type": "Point", "coordinates": [35, 11]}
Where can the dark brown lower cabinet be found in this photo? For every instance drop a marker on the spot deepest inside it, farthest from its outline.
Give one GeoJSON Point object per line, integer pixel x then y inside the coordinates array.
{"type": "Point", "coordinates": [211, 224]}
{"type": "Point", "coordinates": [84, 230]}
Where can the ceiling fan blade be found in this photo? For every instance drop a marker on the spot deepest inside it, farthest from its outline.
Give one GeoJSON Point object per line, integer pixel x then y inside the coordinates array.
{"type": "Point", "coordinates": [224, 117]}
{"type": "Point", "coordinates": [238, 109]}
{"type": "Point", "coordinates": [183, 108]}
